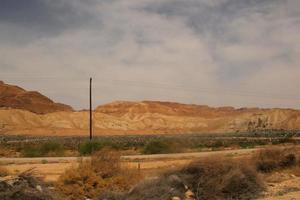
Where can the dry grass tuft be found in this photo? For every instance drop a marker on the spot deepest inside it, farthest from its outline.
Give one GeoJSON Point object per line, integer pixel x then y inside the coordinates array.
{"type": "Point", "coordinates": [91, 178]}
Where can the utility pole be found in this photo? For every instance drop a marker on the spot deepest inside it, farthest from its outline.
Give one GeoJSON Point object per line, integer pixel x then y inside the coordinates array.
{"type": "Point", "coordinates": [91, 111]}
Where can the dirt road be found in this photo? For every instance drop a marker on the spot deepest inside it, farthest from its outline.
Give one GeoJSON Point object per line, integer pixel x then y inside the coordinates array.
{"type": "Point", "coordinates": [175, 156]}
{"type": "Point", "coordinates": [52, 167]}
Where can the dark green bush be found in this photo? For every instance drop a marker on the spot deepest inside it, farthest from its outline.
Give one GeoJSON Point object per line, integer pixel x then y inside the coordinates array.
{"type": "Point", "coordinates": [217, 144]}
{"type": "Point", "coordinates": [156, 147]}
{"type": "Point", "coordinates": [87, 148]}
{"type": "Point", "coordinates": [31, 151]}
{"type": "Point", "coordinates": [52, 148]}
{"type": "Point", "coordinates": [247, 144]}
{"type": "Point", "coordinates": [45, 149]}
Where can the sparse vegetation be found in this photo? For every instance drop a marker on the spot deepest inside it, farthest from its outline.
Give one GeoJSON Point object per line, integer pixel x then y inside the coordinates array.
{"type": "Point", "coordinates": [73, 146]}
{"type": "Point", "coordinates": [103, 177]}
{"type": "Point", "coordinates": [213, 178]}
{"type": "Point", "coordinates": [216, 178]}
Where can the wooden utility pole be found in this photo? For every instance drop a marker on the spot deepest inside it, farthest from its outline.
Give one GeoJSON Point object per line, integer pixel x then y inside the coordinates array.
{"type": "Point", "coordinates": [91, 111]}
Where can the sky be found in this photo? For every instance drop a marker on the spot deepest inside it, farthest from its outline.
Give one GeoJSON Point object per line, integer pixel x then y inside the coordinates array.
{"type": "Point", "coordinates": [241, 53]}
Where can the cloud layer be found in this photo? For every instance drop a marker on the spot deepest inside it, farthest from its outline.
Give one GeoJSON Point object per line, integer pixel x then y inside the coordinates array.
{"type": "Point", "coordinates": [215, 52]}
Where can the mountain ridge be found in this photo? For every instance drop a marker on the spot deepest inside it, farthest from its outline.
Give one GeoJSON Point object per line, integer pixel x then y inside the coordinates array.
{"type": "Point", "coordinates": [143, 117]}
{"type": "Point", "coordinates": [16, 97]}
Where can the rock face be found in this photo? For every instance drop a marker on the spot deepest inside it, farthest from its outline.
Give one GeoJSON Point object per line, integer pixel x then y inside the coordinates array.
{"type": "Point", "coordinates": [16, 97]}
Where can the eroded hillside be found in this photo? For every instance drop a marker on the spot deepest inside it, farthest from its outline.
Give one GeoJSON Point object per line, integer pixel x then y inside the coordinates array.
{"type": "Point", "coordinates": [15, 97]}
{"type": "Point", "coordinates": [149, 118]}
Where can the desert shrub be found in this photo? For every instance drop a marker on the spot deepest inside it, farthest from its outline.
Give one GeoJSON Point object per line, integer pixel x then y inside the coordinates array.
{"type": "Point", "coordinates": [106, 163]}
{"type": "Point", "coordinates": [246, 144]}
{"type": "Point", "coordinates": [156, 147]}
{"type": "Point", "coordinates": [79, 182]}
{"type": "Point", "coordinates": [163, 188]}
{"type": "Point", "coordinates": [222, 179]}
{"type": "Point", "coordinates": [92, 178]}
{"type": "Point", "coordinates": [87, 148]}
{"type": "Point", "coordinates": [217, 144]}
{"type": "Point", "coordinates": [270, 159]}
{"type": "Point", "coordinates": [52, 148]}
{"type": "Point", "coordinates": [3, 171]}
{"type": "Point", "coordinates": [282, 141]}
{"type": "Point", "coordinates": [44, 149]}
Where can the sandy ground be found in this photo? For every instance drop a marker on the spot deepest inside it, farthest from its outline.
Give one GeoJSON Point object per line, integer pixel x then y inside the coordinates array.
{"type": "Point", "coordinates": [284, 185]}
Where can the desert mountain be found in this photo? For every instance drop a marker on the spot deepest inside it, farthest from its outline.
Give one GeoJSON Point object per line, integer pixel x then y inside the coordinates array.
{"type": "Point", "coordinates": [18, 98]}
{"type": "Point", "coordinates": [149, 117]}
{"type": "Point", "coordinates": [23, 112]}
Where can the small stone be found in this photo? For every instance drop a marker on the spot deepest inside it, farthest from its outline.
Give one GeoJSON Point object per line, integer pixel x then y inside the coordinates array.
{"type": "Point", "coordinates": [189, 195]}
{"type": "Point", "coordinates": [39, 188]}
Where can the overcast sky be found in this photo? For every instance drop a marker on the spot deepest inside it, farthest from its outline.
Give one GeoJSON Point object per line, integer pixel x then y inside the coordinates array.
{"type": "Point", "coordinates": [215, 52]}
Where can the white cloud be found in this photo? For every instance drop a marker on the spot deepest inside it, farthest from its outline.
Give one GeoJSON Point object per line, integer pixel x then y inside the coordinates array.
{"type": "Point", "coordinates": [136, 54]}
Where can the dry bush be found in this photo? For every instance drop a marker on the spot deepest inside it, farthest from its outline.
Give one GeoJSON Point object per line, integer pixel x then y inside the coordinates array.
{"type": "Point", "coordinates": [106, 163]}
{"type": "Point", "coordinates": [91, 178]}
{"type": "Point", "coordinates": [215, 178]}
{"type": "Point", "coordinates": [222, 179]}
{"type": "Point", "coordinates": [270, 159]}
{"type": "Point", "coordinates": [3, 171]}
{"type": "Point", "coordinates": [163, 188]}
{"type": "Point", "coordinates": [78, 182]}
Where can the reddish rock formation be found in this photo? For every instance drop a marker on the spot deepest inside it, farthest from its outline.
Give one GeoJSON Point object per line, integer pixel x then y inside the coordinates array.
{"type": "Point", "coordinates": [16, 97]}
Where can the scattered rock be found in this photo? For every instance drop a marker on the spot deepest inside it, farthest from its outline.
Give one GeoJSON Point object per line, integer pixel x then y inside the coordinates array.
{"type": "Point", "coordinates": [189, 195]}
{"type": "Point", "coordinates": [39, 188]}
{"type": "Point", "coordinates": [25, 187]}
